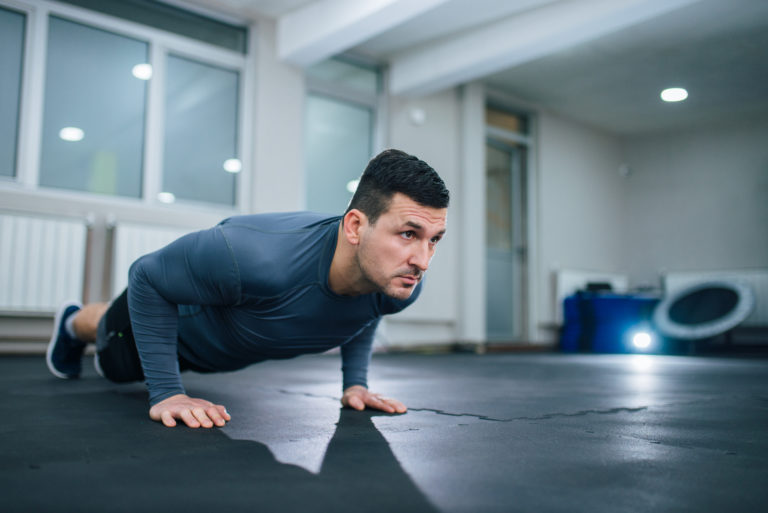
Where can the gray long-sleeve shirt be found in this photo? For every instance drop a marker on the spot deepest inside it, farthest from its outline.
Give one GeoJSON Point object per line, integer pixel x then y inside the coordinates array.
{"type": "Point", "coordinates": [252, 288]}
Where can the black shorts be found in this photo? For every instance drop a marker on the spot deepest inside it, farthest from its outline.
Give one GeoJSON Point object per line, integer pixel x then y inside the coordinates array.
{"type": "Point", "coordinates": [116, 348]}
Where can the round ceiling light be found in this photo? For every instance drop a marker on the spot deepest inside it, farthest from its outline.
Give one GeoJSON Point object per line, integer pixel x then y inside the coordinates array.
{"type": "Point", "coordinates": [71, 133]}
{"type": "Point", "coordinates": [142, 71]}
{"type": "Point", "coordinates": [674, 94]}
{"type": "Point", "coordinates": [233, 165]}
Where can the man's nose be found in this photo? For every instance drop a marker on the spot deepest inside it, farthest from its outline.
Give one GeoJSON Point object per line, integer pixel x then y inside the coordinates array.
{"type": "Point", "coordinates": [421, 256]}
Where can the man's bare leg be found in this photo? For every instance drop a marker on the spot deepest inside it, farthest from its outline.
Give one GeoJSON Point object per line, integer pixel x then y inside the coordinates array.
{"type": "Point", "coordinates": [86, 321]}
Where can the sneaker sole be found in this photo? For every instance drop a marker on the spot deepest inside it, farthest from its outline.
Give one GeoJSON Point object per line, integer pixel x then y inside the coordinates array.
{"type": "Point", "coordinates": [56, 325]}
{"type": "Point", "coordinates": [97, 365]}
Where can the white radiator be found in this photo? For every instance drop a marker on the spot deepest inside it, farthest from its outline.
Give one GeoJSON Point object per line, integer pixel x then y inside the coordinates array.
{"type": "Point", "coordinates": [568, 281]}
{"type": "Point", "coordinates": [135, 240]}
{"type": "Point", "coordinates": [42, 262]}
{"type": "Point", "coordinates": [757, 279]}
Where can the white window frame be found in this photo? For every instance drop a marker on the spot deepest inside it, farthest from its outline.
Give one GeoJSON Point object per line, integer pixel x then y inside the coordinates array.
{"type": "Point", "coordinates": [376, 102]}
{"type": "Point", "coordinates": [161, 44]}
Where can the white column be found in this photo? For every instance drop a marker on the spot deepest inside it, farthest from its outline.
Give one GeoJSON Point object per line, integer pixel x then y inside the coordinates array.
{"type": "Point", "coordinates": [472, 268]}
{"type": "Point", "coordinates": [278, 146]}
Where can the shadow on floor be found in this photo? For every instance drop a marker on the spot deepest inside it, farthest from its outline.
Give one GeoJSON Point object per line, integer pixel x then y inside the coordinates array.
{"type": "Point", "coordinates": [99, 458]}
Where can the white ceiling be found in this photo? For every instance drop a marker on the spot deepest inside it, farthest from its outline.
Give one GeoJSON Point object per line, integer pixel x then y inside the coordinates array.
{"type": "Point", "coordinates": [716, 49]}
{"type": "Point", "coordinates": [604, 71]}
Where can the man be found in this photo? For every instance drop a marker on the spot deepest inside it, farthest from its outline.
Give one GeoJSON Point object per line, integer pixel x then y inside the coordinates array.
{"type": "Point", "coordinates": [266, 286]}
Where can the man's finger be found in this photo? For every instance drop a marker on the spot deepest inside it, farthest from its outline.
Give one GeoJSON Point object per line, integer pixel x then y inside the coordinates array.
{"type": "Point", "coordinates": [189, 419]}
{"type": "Point", "coordinates": [167, 419]}
{"type": "Point", "coordinates": [375, 402]}
{"type": "Point", "coordinates": [215, 416]}
{"type": "Point", "coordinates": [355, 402]}
{"type": "Point", "coordinates": [397, 405]}
{"type": "Point", "coordinates": [223, 412]}
{"type": "Point", "coordinates": [202, 417]}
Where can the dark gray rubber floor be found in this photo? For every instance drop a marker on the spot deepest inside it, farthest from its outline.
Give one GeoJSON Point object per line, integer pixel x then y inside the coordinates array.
{"type": "Point", "coordinates": [502, 433]}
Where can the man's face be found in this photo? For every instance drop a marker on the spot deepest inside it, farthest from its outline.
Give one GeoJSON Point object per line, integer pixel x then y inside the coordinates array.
{"type": "Point", "coordinates": [395, 252]}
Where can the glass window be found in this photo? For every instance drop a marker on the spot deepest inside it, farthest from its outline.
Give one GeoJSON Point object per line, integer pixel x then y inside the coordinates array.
{"type": "Point", "coordinates": [338, 147]}
{"type": "Point", "coordinates": [11, 55]}
{"type": "Point", "coordinates": [350, 76]}
{"type": "Point", "coordinates": [200, 160]}
{"type": "Point", "coordinates": [506, 120]}
{"type": "Point", "coordinates": [93, 121]}
{"type": "Point", "coordinates": [498, 211]}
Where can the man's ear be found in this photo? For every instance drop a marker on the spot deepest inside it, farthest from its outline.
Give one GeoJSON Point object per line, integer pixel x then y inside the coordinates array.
{"type": "Point", "coordinates": [354, 222]}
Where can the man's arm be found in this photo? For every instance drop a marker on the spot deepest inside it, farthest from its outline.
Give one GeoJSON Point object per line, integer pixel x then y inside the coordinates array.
{"type": "Point", "coordinates": [196, 269]}
{"type": "Point", "coordinates": [355, 357]}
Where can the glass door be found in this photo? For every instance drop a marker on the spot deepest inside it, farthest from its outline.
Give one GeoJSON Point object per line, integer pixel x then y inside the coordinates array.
{"type": "Point", "coordinates": [505, 241]}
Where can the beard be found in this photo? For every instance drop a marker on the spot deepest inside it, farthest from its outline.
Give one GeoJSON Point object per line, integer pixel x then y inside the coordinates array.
{"type": "Point", "coordinates": [384, 284]}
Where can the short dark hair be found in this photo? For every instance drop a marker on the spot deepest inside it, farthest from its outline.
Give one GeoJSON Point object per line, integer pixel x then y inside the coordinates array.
{"type": "Point", "coordinates": [393, 171]}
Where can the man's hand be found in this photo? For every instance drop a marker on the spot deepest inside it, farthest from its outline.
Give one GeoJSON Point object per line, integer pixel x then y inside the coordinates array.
{"type": "Point", "coordinates": [358, 397]}
{"type": "Point", "coordinates": [194, 412]}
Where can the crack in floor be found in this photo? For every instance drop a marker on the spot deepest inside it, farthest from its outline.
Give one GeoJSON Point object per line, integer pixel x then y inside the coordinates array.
{"type": "Point", "coordinates": [308, 394]}
{"type": "Point", "coordinates": [546, 416]}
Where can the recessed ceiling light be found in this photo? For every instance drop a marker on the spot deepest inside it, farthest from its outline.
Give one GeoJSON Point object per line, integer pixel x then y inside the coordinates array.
{"type": "Point", "coordinates": [166, 197]}
{"type": "Point", "coordinates": [71, 133]}
{"type": "Point", "coordinates": [674, 94]}
{"type": "Point", "coordinates": [142, 71]}
{"type": "Point", "coordinates": [233, 165]}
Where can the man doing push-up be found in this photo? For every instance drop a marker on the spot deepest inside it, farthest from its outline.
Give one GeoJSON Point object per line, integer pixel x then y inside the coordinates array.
{"type": "Point", "coordinates": [265, 286]}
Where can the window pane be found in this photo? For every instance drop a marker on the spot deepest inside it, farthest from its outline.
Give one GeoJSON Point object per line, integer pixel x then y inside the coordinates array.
{"type": "Point", "coordinates": [11, 55]}
{"type": "Point", "coordinates": [200, 132]}
{"type": "Point", "coordinates": [335, 71]}
{"type": "Point", "coordinates": [501, 119]}
{"type": "Point", "coordinates": [93, 123]}
{"type": "Point", "coordinates": [338, 138]}
{"type": "Point", "coordinates": [498, 209]}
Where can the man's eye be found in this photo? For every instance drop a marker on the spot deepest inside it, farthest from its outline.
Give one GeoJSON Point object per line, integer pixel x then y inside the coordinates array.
{"type": "Point", "coordinates": [435, 240]}
{"type": "Point", "coordinates": [408, 235]}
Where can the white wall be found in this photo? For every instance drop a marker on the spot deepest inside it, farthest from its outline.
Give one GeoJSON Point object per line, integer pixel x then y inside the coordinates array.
{"type": "Point", "coordinates": [698, 200]}
{"type": "Point", "coordinates": [437, 141]}
{"type": "Point", "coordinates": [581, 206]}
{"type": "Point", "coordinates": [278, 180]}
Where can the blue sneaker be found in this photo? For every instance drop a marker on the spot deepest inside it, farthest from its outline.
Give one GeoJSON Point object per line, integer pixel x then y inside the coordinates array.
{"type": "Point", "coordinates": [64, 353]}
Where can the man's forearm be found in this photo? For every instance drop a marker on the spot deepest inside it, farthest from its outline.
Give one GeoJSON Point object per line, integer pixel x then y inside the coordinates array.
{"type": "Point", "coordinates": [355, 357]}
{"type": "Point", "coordinates": [155, 328]}
{"type": "Point", "coordinates": [197, 269]}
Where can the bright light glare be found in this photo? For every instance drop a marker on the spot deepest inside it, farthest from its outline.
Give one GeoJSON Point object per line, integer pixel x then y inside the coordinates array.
{"type": "Point", "coordinates": [166, 197]}
{"type": "Point", "coordinates": [142, 71]}
{"type": "Point", "coordinates": [642, 362]}
{"type": "Point", "coordinates": [71, 133]}
{"type": "Point", "coordinates": [641, 340]}
{"type": "Point", "coordinates": [352, 185]}
{"type": "Point", "coordinates": [233, 165]}
{"type": "Point", "coordinates": [674, 94]}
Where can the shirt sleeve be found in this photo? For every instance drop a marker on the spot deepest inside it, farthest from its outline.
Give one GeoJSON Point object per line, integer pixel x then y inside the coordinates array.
{"type": "Point", "coordinates": [356, 354]}
{"type": "Point", "coordinates": [355, 357]}
{"type": "Point", "coordinates": [197, 269]}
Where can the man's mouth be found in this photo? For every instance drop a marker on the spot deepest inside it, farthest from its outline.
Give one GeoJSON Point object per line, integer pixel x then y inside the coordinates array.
{"type": "Point", "coordinates": [411, 279]}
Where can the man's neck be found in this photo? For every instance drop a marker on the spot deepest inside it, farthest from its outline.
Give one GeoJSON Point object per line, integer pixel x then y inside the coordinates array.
{"type": "Point", "coordinates": [343, 275]}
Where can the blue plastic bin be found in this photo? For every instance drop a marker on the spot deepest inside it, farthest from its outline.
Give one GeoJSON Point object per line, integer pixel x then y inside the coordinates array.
{"type": "Point", "coordinates": [604, 322]}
